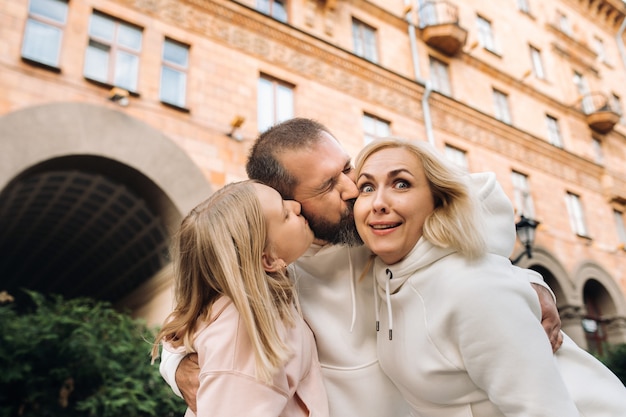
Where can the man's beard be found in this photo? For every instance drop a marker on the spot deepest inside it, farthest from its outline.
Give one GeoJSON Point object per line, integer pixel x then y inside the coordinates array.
{"type": "Point", "coordinates": [342, 233]}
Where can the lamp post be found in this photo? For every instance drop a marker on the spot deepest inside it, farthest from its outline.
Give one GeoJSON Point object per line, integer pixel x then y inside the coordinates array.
{"type": "Point", "coordinates": [525, 230]}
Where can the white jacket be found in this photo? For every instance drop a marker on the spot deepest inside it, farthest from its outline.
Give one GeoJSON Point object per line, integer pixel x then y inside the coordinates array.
{"type": "Point", "coordinates": [340, 310]}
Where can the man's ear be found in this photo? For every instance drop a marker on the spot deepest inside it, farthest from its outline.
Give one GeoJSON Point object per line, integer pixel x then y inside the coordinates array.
{"type": "Point", "coordinates": [272, 264]}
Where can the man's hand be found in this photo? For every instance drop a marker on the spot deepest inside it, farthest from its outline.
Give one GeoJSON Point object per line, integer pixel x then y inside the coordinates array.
{"type": "Point", "coordinates": [550, 319]}
{"type": "Point", "coordinates": [187, 379]}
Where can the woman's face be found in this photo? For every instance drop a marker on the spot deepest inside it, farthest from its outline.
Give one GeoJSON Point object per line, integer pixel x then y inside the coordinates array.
{"type": "Point", "coordinates": [393, 203]}
{"type": "Point", "coordinates": [288, 233]}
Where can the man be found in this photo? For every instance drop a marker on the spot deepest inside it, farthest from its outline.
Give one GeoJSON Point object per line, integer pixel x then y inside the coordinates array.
{"type": "Point", "coordinates": [303, 161]}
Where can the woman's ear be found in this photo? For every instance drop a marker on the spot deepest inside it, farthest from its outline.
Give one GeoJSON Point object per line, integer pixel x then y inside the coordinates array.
{"type": "Point", "coordinates": [272, 264]}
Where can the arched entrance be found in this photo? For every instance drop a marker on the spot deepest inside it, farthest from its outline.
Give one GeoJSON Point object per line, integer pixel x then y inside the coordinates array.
{"type": "Point", "coordinates": [88, 199]}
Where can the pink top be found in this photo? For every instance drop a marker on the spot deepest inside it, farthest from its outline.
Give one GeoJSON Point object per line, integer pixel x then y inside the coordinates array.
{"type": "Point", "coordinates": [228, 387]}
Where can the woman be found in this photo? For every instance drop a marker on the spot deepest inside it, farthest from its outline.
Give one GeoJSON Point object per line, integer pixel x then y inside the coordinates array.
{"type": "Point", "coordinates": [461, 335]}
{"type": "Point", "coordinates": [236, 306]}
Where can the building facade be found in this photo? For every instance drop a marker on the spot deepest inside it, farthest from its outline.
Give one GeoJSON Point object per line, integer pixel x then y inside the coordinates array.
{"type": "Point", "coordinates": [118, 116]}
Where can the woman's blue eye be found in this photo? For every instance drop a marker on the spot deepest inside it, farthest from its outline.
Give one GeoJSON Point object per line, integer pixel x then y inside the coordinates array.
{"type": "Point", "coordinates": [402, 184]}
{"type": "Point", "coordinates": [366, 188]}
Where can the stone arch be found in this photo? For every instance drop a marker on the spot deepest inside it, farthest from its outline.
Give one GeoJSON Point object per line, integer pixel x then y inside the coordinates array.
{"type": "Point", "coordinates": [569, 299]}
{"type": "Point", "coordinates": [82, 143]}
{"type": "Point", "coordinates": [605, 306]}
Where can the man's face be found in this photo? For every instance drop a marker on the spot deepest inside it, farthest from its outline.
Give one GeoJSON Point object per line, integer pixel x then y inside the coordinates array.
{"type": "Point", "coordinates": [325, 189]}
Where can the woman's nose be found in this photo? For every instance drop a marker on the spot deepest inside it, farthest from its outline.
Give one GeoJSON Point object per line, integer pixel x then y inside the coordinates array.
{"type": "Point", "coordinates": [379, 202]}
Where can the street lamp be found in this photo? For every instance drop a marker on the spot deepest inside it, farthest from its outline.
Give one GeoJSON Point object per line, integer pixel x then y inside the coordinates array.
{"type": "Point", "coordinates": [525, 230]}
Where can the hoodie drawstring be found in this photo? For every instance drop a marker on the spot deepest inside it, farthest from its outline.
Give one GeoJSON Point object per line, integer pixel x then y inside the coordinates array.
{"type": "Point", "coordinates": [388, 295]}
{"type": "Point", "coordinates": [376, 302]}
{"type": "Point", "coordinates": [352, 291]}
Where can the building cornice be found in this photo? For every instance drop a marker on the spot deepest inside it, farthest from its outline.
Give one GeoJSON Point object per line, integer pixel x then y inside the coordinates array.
{"type": "Point", "coordinates": [607, 13]}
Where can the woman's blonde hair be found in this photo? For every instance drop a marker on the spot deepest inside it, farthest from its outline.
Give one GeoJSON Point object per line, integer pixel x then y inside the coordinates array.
{"type": "Point", "coordinates": [218, 252]}
{"type": "Point", "coordinates": [455, 221]}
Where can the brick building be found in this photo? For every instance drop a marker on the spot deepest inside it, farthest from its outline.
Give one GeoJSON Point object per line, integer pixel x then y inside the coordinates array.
{"type": "Point", "coordinates": [118, 116]}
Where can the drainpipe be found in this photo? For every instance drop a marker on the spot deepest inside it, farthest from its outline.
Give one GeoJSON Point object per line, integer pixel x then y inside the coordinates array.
{"type": "Point", "coordinates": [409, 7]}
{"type": "Point", "coordinates": [620, 41]}
{"type": "Point", "coordinates": [412, 39]}
{"type": "Point", "coordinates": [428, 123]}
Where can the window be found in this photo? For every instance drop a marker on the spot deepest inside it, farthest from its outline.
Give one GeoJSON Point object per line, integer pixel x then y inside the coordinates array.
{"type": "Point", "coordinates": [44, 31]}
{"type": "Point", "coordinates": [621, 227]}
{"type": "Point", "coordinates": [537, 63]}
{"type": "Point", "coordinates": [457, 157]}
{"type": "Point", "coordinates": [597, 150]}
{"type": "Point", "coordinates": [523, 6]}
{"type": "Point", "coordinates": [485, 34]}
{"type": "Point", "coordinates": [582, 88]}
{"type": "Point", "coordinates": [374, 127]}
{"type": "Point", "coordinates": [364, 39]}
{"type": "Point", "coordinates": [275, 102]}
{"type": "Point", "coordinates": [439, 76]}
{"type": "Point", "coordinates": [174, 65]}
{"type": "Point", "coordinates": [599, 49]}
{"type": "Point", "coordinates": [274, 8]}
{"type": "Point", "coordinates": [616, 105]}
{"type": "Point", "coordinates": [112, 55]}
{"type": "Point", "coordinates": [501, 105]}
{"type": "Point", "coordinates": [554, 132]}
{"type": "Point", "coordinates": [427, 13]}
{"type": "Point", "coordinates": [522, 199]}
{"type": "Point", "coordinates": [593, 324]}
{"type": "Point", "coordinates": [563, 24]}
{"type": "Point", "coordinates": [576, 214]}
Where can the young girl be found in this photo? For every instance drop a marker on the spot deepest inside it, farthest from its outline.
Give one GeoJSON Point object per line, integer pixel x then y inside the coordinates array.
{"type": "Point", "coordinates": [460, 333]}
{"type": "Point", "coordinates": [236, 306]}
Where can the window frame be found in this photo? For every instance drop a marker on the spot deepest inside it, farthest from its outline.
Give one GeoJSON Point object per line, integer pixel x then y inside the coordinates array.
{"type": "Point", "coordinates": [267, 8]}
{"type": "Point", "coordinates": [168, 65]}
{"type": "Point", "coordinates": [439, 76]}
{"type": "Point", "coordinates": [576, 214]}
{"type": "Point", "coordinates": [377, 123]}
{"type": "Point", "coordinates": [457, 156]}
{"type": "Point", "coordinates": [620, 225]}
{"type": "Point", "coordinates": [364, 40]}
{"type": "Point", "coordinates": [563, 23]}
{"type": "Point", "coordinates": [113, 50]}
{"type": "Point", "coordinates": [599, 48]}
{"type": "Point", "coordinates": [502, 106]}
{"type": "Point", "coordinates": [485, 34]}
{"type": "Point", "coordinates": [536, 60]}
{"type": "Point", "coordinates": [523, 6]}
{"type": "Point", "coordinates": [278, 112]}
{"type": "Point", "coordinates": [555, 136]}
{"type": "Point", "coordinates": [522, 197]}
{"type": "Point", "coordinates": [29, 38]}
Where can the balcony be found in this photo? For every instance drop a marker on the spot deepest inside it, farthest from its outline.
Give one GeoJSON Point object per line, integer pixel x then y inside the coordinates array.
{"type": "Point", "coordinates": [439, 23]}
{"type": "Point", "coordinates": [601, 115]}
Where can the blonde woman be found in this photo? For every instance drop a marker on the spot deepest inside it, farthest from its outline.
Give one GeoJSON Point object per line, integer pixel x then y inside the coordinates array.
{"type": "Point", "coordinates": [236, 306]}
{"type": "Point", "coordinates": [460, 331]}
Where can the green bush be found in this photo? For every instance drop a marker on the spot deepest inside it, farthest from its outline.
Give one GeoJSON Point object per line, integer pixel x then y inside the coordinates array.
{"type": "Point", "coordinates": [615, 360]}
{"type": "Point", "coordinates": [78, 357]}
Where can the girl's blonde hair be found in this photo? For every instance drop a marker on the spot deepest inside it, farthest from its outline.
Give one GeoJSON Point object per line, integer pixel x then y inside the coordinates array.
{"type": "Point", "coordinates": [455, 221]}
{"type": "Point", "coordinates": [218, 252]}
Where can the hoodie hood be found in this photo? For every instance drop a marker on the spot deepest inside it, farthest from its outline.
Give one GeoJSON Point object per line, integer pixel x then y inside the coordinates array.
{"type": "Point", "coordinates": [497, 210]}
{"type": "Point", "coordinates": [499, 226]}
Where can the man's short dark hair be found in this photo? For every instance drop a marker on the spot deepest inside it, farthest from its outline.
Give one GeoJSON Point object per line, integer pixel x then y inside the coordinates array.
{"type": "Point", "coordinates": [263, 161]}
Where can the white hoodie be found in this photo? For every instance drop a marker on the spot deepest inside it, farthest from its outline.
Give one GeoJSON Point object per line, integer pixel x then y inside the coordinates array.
{"type": "Point", "coordinates": [340, 310]}
{"type": "Point", "coordinates": [463, 338]}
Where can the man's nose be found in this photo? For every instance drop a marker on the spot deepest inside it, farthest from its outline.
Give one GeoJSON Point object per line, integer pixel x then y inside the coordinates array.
{"type": "Point", "coordinates": [349, 191]}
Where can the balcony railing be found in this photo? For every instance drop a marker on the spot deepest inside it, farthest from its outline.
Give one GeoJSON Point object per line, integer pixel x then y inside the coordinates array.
{"type": "Point", "coordinates": [439, 22]}
{"type": "Point", "coordinates": [601, 115]}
